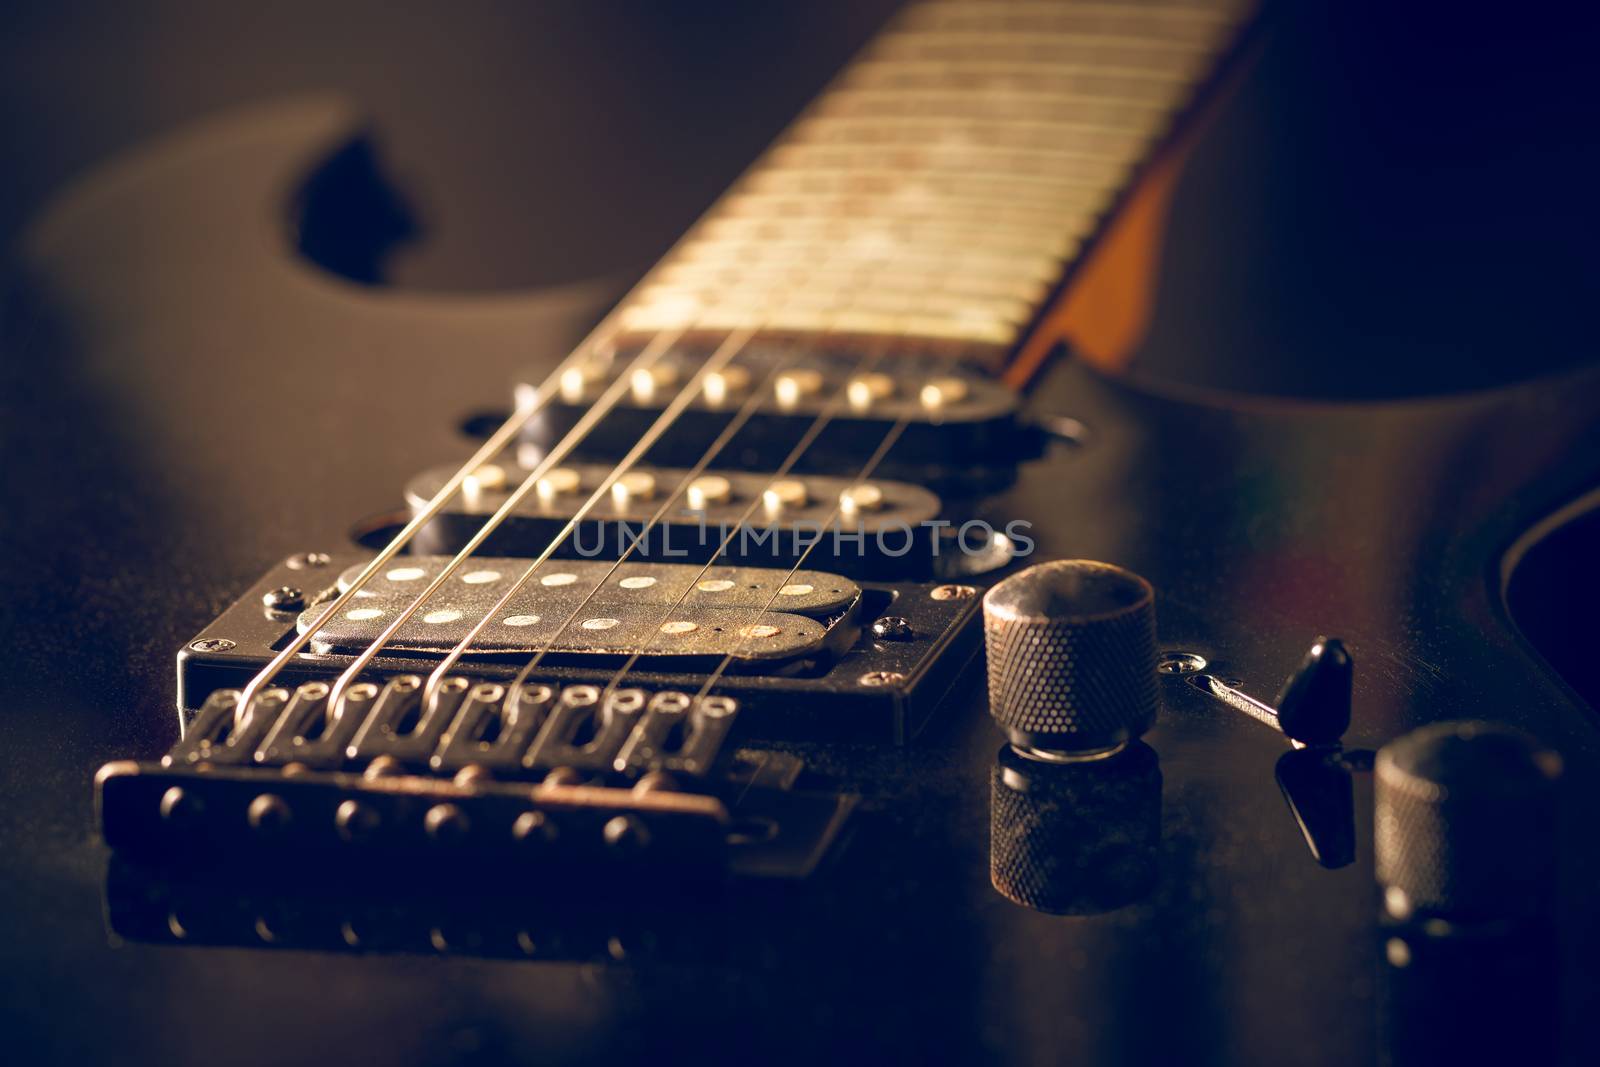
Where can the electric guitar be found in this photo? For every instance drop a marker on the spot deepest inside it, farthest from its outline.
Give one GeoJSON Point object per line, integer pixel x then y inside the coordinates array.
{"type": "Point", "coordinates": [657, 715]}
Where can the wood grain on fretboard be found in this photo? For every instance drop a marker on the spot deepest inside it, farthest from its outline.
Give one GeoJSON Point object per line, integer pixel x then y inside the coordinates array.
{"type": "Point", "coordinates": [942, 185]}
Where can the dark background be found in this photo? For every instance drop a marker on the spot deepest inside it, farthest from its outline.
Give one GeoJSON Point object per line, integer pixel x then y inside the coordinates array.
{"type": "Point", "coordinates": [1398, 201]}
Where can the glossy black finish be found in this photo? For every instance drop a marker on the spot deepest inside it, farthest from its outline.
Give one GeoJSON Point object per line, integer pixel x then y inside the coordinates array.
{"type": "Point", "coordinates": [198, 403]}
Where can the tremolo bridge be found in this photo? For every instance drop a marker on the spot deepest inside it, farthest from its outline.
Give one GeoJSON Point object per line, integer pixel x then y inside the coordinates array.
{"type": "Point", "coordinates": [480, 773]}
{"type": "Point", "coordinates": [572, 763]}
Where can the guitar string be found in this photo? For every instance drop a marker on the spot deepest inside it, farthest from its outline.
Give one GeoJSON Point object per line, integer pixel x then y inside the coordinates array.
{"type": "Point", "coordinates": [492, 447]}
{"type": "Point", "coordinates": [724, 354]}
{"type": "Point", "coordinates": [587, 351]}
{"type": "Point", "coordinates": [741, 418]}
{"type": "Point", "coordinates": [604, 333]}
{"type": "Point", "coordinates": [599, 339]}
{"type": "Point", "coordinates": [889, 439]}
{"type": "Point", "coordinates": [436, 677]}
{"type": "Point", "coordinates": [816, 427]}
{"type": "Point", "coordinates": [891, 436]}
{"type": "Point", "coordinates": [658, 345]}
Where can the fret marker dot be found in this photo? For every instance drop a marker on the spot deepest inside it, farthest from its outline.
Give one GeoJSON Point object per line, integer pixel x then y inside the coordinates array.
{"type": "Point", "coordinates": [637, 582]}
{"type": "Point", "coordinates": [435, 618]}
{"type": "Point", "coordinates": [558, 579]}
{"type": "Point", "coordinates": [480, 577]}
{"type": "Point", "coordinates": [600, 624]}
{"type": "Point", "coordinates": [715, 585]}
{"type": "Point", "coordinates": [520, 620]}
{"type": "Point", "coordinates": [405, 574]}
{"type": "Point", "coordinates": [362, 614]}
{"type": "Point", "coordinates": [800, 589]}
{"type": "Point", "coordinates": [679, 626]}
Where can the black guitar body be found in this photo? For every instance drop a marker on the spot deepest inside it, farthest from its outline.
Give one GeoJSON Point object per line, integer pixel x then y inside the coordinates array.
{"type": "Point", "coordinates": [191, 399]}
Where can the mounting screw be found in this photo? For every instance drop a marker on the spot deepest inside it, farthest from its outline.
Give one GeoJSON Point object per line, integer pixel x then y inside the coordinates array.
{"type": "Point", "coordinates": [534, 828]}
{"type": "Point", "coordinates": [893, 628]}
{"type": "Point", "coordinates": [877, 678]}
{"type": "Point", "coordinates": [625, 834]}
{"type": "Point", "coordinates": [180, 808]}
{"type": "Point", "coordinates": [307, 560]}
{"type": "Point", "coordinates": [446, 822]}
{"type": "Point", "coordinates": [212, 644]}
{"type": "Point", "coordinates": [284, 598]}
{"type": "Point", "coordinates": [356, 821]}
{"type": "Point", "coordinates": [1181, 663]}
{"type": "Point", "coordinates": [953, 592]}
{"type": "Point", "coordinates": [268, 814]}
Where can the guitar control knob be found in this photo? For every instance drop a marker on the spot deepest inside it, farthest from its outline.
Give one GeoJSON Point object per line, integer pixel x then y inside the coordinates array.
{"type": "Point", "coordinates": [1465, 823]}
{"type": "Point", "coordinates": [1072, 658]}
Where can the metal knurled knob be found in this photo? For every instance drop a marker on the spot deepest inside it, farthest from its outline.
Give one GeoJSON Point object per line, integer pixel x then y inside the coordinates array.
{"type": "Point", "coordinates": [1072, 657]}
{"type": "Point", "coordinates": [1465, 822]}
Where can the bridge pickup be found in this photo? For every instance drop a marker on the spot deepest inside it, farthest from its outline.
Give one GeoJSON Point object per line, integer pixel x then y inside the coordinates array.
{"type": "Point", "coordinates": [962, 430]}
{"type": "Point", "coordinates": [587, 608]}
{"type": "Point", "coordinates": [834, 678]}
{"type": "Point", "coordinates": [885, 529]}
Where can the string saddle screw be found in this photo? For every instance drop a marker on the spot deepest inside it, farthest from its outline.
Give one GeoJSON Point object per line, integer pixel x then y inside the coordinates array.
{"type": "Point", "coordinates": [880, 678]}
{"type": "Point", "coordinates": [212, 644]}
{"type": "Point", "coordinates": [953, 592]}
{"type": "Point", "coordinates": [307, 560]}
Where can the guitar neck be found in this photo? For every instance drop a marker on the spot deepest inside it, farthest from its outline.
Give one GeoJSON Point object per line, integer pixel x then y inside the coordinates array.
{"type": "Point", "coordinates": [945, 183]}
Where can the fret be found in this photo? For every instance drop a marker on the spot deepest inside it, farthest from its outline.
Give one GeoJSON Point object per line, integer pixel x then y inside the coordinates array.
{"type": "Point", "coordinates": [956, 75]}
{"type": "Point", "coordinates": [966, 280]}
{"type": "Point", "coordinates": [954, 214]}
{"type": "Point", "coordinates": [818, 300]}
{"type": "Point", "coordinates": [954, 219]}
{"type": "Point", "coordinates": [802, 256]}
{"type": "Point", "coordinates": [945, 182]}
{"type": "Point", "coordinates": [1043, 166]}
{"type": "Point", "coordinates": [993, 104]}
{"type": "Point", "coordinates": [1181, 23]}
{"type": "Point", "coordinates": [804, 191]}
{"type": "Point", "coordinates": [1174, 63]}
{"type": "Point", "coordinates": [969, 134]}
{"type": "Point", "coordinates": [712, 278]}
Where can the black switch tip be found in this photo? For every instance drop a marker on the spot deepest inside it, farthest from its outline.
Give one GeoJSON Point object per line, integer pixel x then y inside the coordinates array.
{"type": "Point", "coordinates": [1314, 704]}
